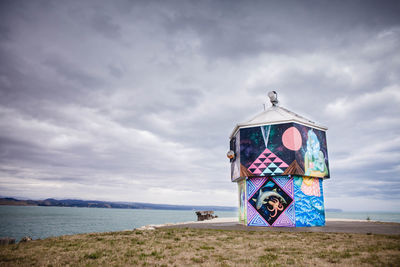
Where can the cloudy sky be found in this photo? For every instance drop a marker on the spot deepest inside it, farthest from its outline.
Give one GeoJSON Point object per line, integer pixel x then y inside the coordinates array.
{"type": "Point", "coordinates": [135, 100]}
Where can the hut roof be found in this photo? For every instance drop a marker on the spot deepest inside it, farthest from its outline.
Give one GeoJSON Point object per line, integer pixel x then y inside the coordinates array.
{"type": "Point", "coordinates": [277, 115]}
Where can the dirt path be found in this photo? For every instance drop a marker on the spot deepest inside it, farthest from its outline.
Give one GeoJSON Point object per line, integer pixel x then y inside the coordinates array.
{"type": "Point", "coordinates": [361, 227]}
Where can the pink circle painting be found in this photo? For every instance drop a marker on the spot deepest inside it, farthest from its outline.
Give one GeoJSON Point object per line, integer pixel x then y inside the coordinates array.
{"type": "Point", "coordinates": [291, 139]}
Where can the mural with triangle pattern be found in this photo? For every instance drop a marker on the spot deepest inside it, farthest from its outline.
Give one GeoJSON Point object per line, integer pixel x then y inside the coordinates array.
{"type": "Point", "coordinates": [283, 201]}
{"type": "Point", "coordinates": [283, 149]}
{"type": "Point", "coordinates": [270, 200]}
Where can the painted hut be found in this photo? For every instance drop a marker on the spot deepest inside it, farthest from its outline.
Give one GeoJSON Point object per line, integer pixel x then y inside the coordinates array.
{"type": "Point", "coordinates": [279, 160]}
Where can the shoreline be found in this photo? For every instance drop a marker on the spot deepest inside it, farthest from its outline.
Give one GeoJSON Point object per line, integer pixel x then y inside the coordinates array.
{"type": "Point", "coordinates": [215, 220]}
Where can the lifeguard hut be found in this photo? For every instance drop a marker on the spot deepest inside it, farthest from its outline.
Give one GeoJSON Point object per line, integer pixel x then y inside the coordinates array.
{"type": "Point", "coordinates": [279, 160]}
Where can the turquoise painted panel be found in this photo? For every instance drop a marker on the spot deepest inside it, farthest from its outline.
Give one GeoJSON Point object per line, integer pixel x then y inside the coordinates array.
{"type": "Point", "coordinates": [309, 201]}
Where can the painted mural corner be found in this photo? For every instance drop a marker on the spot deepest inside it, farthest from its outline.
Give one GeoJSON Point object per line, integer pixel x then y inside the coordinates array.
{"type": "Point", "coordinates": [270, 202]}
{"type": "Point", "coordinates": [235, 162]}
{"type": "Point", "coordinates": [242, 202]}
{"type": "Point", "coordinates": [316, 155]}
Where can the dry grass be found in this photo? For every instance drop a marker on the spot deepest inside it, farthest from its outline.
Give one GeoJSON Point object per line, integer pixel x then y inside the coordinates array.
{"type": "Point", "coordinates": [176, 247]}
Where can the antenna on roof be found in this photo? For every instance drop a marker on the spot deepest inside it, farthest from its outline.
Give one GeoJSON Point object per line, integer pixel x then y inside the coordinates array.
{"type": "Point", "coordinates": [273, 97]}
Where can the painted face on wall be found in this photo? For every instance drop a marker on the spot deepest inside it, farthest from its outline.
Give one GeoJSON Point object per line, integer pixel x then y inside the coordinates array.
{"type": "Point", "coordinates": [313, 143]}
{"type": "Point", "coordinates": [314, 160]}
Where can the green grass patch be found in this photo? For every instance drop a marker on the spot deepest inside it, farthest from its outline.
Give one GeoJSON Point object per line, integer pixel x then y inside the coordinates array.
{"type": "Point", "coordinates": [94, 255]}
{"type": "Point", "coordinates": [267, 258]}
{"type": "Point", "coordinates": [206, 247]}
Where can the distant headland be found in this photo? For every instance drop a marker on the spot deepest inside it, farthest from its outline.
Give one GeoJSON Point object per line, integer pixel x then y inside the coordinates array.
{"type": "Point", "coordinates": [106, 204]}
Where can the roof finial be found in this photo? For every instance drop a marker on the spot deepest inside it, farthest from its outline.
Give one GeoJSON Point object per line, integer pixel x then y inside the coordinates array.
{"type": "Point", "coordinates": [273, 97]}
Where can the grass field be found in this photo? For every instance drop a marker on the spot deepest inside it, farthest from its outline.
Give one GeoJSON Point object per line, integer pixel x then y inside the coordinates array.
{"type": "Point", "coordinates": [176, 247]}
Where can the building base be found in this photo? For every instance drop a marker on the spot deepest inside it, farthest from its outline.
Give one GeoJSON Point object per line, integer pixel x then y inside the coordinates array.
{"type": "Point", "coordinates": [281, 201]}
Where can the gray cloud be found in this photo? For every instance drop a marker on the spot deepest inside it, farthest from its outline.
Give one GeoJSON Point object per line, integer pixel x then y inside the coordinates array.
{"type": "Point", "coordinates": [105, 26]}
{"type": "Point", "coordinates": [129, 99]}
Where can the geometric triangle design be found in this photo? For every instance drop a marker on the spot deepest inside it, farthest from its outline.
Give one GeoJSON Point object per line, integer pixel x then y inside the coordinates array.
{"type": "Point", "coordinates": [290, 212]}
{"type": "Point", "coordinates": [253, 185]}
{"type": "Point", "coordinates": [284, 221]}
{"type": "Point", "coordinates": [257, 171]}
{"type": "Point", "coordinates": [262, 165]}
{"type": "Point", "coordinates": [262, 216]}
{"type": "Point", "coordinates": [251, 212]}
{"type": "Point", "coordinates": [288, 188]}
{"type": "Point", "coordinates": [286, 184]}
{"type": "Point", "coordinates": [266, 161]}
{"type": "Point", "coordinates": [284, 165]}
{"type": "Point", "coordinates": [258, 221]}
{"type": "Point", "coordinates": [287, 218]}
{"type": "Point", "coordinates": [257, 161]}
{"type": "Point", "coordinates": [267, 171]}
{"type": "Point", "coordinates": [281, 180]}
{"type": "Point", "coordinates": [273, 164]}
{"type": "Point", "coordinates": [251, 188]}
{"type": "Point", "coordinates": [258, 182]}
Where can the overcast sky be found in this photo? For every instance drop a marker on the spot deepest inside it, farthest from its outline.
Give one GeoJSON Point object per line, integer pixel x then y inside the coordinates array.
{"type": "Point", "coordinates": [135, 100]}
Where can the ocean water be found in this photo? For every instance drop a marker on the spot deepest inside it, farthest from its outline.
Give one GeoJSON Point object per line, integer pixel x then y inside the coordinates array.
{"type": "Point", "coordinates": [43, 222]}
{"type": "Point", "coordinates": [364, 215]}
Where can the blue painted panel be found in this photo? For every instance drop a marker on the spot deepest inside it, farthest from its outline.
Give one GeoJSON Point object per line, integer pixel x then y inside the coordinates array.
{"type": "Point", "coordinates": [309, 201]}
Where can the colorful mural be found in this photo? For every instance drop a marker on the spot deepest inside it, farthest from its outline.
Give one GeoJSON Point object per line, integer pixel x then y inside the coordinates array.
{"type": "Point", "coordinates": [309, 201]}
{"type": "Point", "coordinates": [281, 201]}
{"type": "Point", "coordinates": [279, 169]}
{"type": "Point", "coordinates": [242, 202]}
{"type": "Point", "coordinates": [283, 149]}
{"type": "Point", "coordinates": [314, 159]}
{"type": "Point", "coordinates": [235, 163]}
{"type": "Point", "coordinates": [270, 201]}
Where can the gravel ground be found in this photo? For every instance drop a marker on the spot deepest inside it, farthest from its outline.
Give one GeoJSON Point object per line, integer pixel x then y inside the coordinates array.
{"type": "Point", "coordinates": [332, 226]}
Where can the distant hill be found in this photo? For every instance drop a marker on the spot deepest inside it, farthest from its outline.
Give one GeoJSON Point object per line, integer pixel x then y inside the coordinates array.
{"type": "Point", "coordinates": [106, 204]}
